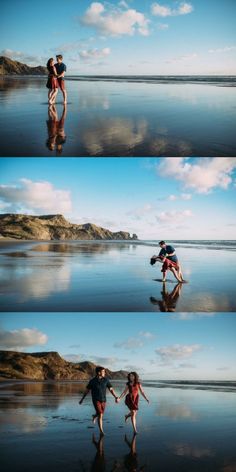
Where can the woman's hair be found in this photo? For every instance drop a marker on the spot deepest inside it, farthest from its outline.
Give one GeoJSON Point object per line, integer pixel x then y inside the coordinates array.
{"type": "Point", "coordinates": [136, 377]}
{"type": "Point", "coordinates": [49, 62]}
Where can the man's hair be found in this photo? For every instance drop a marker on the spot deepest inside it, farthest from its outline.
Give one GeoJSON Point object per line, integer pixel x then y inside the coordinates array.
{"type": "Point", "coordinates": [59, 56]}
{"type": "Point", "coordinates": [161, 242]}
{"type": "Point", "coordinates": [99, 368]}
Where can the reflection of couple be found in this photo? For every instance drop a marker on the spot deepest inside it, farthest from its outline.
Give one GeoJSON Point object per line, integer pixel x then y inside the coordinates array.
{"type": "Point", "coordinates": [169, 300]}
{"type": "Point", "coordinates": [130, 460]}
{"type": "Point", "coordinates": [98, 385]}
{"type": "Point", "coordinates": [56, 131]}
{"type": "Point", "coordinates": [56, 73]}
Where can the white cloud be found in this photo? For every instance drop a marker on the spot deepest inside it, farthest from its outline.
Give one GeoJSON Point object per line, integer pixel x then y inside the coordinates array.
{"type": "Point", "coordinates": [94, 54]}
{"type": "Point", "coordinates": [186, 57]}
{"type": "Point", "coordinates": [173, 216]}
{"type": "Point", "coordinates": [169, 354]}
{"type": "Point", "coordinates": [35, 196]}
{"type": "Point", "coordinates": [202, 175]}
{"type": "Point", "coordinates": [225, 49]}
{"type": "Point", "coordinates": [161, 10]}
{"type": "Point", "coordinates": [115, 22]}
{"type": "Point", "coordinates": [22, 338]}
{"type": "Point", "coordinates": [162, 26]}
{"type": "Point", "coordinates": [102, 360]}
{"type": "Point", "coordinates": [136, 342]}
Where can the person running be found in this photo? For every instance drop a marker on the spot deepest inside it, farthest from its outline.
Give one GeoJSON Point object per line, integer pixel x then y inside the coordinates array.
{"type": "Point", "coordinates": [170, 261]}
{"type": "Point", "coordinates": [97, 386]}
{"type": "Point", "coordinates": [52, 82]}
{"type": "Point", "coordinates": [61, 69]}
{"type": "Point", "coordinates": [133, 387]}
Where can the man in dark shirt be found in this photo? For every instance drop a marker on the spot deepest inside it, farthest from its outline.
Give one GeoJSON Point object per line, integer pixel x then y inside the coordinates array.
{"type": "Point", "coordinates": [97, 386]}
{"type": "Point", "coordinates": [61, 69]}
{"type": "Point", "coordinates": [170, 261]}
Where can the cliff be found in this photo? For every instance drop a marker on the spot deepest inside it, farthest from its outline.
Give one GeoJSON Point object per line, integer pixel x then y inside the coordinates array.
{"type": "Point", "coordinates": [54, 227]}
{"type": "Point", "coordinates": [47, 366]}
{"type": "Point", "coordinates": [10, 67]}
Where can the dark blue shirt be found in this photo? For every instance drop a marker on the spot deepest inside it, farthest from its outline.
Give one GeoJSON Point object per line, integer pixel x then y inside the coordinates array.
{"type": "Point", "coordinates": [60, 68]}
{"type": "Point", "coordinates": [168, 250]}
{"type": "Point", "coordinates": [98, 388]}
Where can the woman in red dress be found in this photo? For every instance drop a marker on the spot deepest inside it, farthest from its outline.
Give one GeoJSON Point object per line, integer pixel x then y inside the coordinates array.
{"type": "Point", "coordinates": [52, 83]}
{"type": "Point", "coordinates": [133, 387]}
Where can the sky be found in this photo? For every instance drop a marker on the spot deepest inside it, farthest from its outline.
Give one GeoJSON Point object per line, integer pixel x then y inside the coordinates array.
{"type": "Point", "coordinates": [158, 198]}
{"type": "Point", "coordinates": [123, 37]}
{"type": "Point", "coordinates": [174, 346]}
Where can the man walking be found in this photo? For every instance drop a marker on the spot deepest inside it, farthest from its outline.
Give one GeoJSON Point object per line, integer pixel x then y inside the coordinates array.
{"type": "Point", "coordinates": [98, 385]}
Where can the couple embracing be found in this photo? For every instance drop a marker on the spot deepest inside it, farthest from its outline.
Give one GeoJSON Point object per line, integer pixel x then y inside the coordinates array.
{"type": "Point", "coordinates": [98, 386]}
{"type": "Point", "coordinates": [56, 73]}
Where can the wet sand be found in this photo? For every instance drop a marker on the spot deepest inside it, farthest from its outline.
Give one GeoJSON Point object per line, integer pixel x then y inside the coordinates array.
{"type": "Point", "coordinates": [121, 117]}
{"type": "Point", "coordinates": [101, 276]}
{"type": "Point", "coordinates": [185, 429]}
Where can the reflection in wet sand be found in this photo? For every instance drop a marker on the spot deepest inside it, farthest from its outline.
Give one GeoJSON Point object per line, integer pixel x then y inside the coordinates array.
{"type": "Point", "coordinates": [56, 129]}
{"type": "Point", "coordinates": [175, 412]}
{"type": "Point", "coordinates": [23, 422]}
{"type": "Point", "coordinates": [192, 450]}
{"type": "Point", "coordinates": [169, 300]}
{"type": "Point", "coordinates": [121, 136]}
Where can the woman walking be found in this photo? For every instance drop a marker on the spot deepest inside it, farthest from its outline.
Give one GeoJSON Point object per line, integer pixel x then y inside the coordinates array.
{"type": "Point", "coordinates": [52, 82]}
{"type": "Point", "coordinates": [133, 387]}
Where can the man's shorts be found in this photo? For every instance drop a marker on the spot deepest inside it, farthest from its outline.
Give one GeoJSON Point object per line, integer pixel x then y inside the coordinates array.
{"type": "Point", "coordinates": [99, 406]}
{"type": "Point", "coordinates": [61, 83]}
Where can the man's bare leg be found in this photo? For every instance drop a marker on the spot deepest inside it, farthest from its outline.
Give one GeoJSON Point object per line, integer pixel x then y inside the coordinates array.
{"type": "Point", "coordinates": [100, 423]}
{"type": "Point", "coordinates": [127, 416]}
{"type": "Point", "coordinates": [94, 418]}
{"type": "Point", "coordinates": [176, 274]}
{"type": "Point", "coordinates": [64, 96]}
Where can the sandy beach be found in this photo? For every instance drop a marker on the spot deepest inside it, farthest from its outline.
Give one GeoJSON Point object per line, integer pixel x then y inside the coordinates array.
{"type": "Point", "coordinates": [129, 116]}
{"type": "Point", "coordinates": [114, 276]}
{"type": "Point", "coordinates": [184, 428]}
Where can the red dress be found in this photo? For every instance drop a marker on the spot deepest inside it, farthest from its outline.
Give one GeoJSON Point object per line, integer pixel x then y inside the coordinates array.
{"type": "Point", "coordinates": [52, 82]}
{"type": "Point", "coordinates": [132, 398]}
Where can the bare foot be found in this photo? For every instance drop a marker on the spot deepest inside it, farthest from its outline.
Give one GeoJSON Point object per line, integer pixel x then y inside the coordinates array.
{"type": "Point", "coordinates": [94, 418]}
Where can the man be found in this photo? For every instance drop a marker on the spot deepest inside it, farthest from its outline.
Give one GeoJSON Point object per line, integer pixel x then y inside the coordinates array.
{"type": "Point", "coordinates": [170, 261]}
{"type": "Point", "coordinates": [61, 69]}
{"type": "Point", "coordinates": [98, 385]}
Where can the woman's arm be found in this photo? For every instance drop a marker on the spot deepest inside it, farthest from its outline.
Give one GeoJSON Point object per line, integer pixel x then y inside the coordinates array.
{"type": "Point", "coordinates": [55, 71]}
{"type": "Point", "coordinates": [142, 393]}
{"type": "Point", "coordinates": [124, 392]}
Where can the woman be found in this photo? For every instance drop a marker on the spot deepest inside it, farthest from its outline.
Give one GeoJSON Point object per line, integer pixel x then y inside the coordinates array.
{"type": "Point", "coordinates": [132, 397]}
{"type": "Point", "coordinates": [52, 83]}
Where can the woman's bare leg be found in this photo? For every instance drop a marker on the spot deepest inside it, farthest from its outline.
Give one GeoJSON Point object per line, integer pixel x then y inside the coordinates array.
{"type": "Point", "coordinates": [127, 416]}
{"type": "Point", "coordinates": [133, 420]}
{"type": "Point", "coordinates": [54, 94]}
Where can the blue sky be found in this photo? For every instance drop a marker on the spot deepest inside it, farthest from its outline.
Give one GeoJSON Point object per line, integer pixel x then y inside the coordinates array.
{"type": "Point", "coordinates": [169, 198]}
{"type": "Point", "coordinates": [177, 346]}
{"type": "Point", "coordinates": [123, 37]}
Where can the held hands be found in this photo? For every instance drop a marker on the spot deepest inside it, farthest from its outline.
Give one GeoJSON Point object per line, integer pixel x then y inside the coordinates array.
{"type": "Point", "coordinates": [117, 400]}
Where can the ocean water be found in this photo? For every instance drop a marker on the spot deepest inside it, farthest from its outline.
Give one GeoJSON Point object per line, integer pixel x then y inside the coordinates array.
{"type": "Point", "coordinates": [182, 429]}
{"type": "Point", "coordinates": [115, 276]}
{"type": "Point", "coordinates": [120, 116]}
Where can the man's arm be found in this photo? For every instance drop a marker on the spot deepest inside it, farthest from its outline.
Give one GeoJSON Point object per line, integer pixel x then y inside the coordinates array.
{"type": "Point", "coordinates": [84, 395]}
{"type": "Point", "coordinates": [111, 389]}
